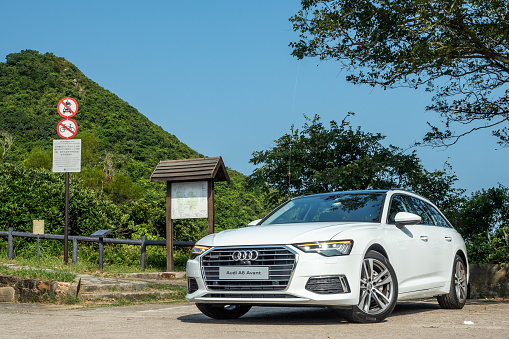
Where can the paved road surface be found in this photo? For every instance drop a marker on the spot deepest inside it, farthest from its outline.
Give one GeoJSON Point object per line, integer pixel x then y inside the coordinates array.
{"type": "Point", "coordinates": [409, 320]}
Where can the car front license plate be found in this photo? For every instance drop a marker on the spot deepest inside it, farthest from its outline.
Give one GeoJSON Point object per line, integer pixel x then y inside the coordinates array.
{"type": "Point", "coordinates": [244, 273]}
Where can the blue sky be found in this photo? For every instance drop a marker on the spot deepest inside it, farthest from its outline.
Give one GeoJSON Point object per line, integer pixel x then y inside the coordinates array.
{"type": "Point", "coordinates": [219, 75]}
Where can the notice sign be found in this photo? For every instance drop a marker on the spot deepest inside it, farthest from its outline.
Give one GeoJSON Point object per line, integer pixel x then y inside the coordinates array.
{"type": "Point", "coordinates": [66, 156]}
{"type": "Point", "coordinates": [38, 227]}
{"type": "Point", "coordinates": [189, 200]}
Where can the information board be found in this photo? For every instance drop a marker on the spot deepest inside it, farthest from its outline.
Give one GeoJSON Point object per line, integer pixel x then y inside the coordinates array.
{"type": "Point", "coordinates": [189, 200]}
{"type": "Point", "coordinates": [67, 155]}
{"type": "Point", "coordinates": [38, 227]}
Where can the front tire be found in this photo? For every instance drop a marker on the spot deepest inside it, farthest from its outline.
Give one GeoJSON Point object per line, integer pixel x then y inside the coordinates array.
{"type": "Point", "coordinates": [457, 296]}
{"type": "Point", "coordinates": [378, 291]}
{"type": "Point", "coordinates": [223, 311]}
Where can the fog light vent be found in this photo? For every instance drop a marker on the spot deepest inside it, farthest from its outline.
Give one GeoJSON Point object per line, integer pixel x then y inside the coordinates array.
{"type": "Point", "coordinates": [192, 285]}
{"type": "Point", "coordinates": [328, 285]}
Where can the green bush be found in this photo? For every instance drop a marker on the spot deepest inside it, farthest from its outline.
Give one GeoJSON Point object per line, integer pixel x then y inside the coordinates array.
{"type": "Point", "coordinates": [28, 194]}
{"type": "Point", "coordinates": [489, 249]}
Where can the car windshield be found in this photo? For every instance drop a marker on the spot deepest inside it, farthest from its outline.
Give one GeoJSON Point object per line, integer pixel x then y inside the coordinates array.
{"type": "Point", "coordinates": [340, 207]}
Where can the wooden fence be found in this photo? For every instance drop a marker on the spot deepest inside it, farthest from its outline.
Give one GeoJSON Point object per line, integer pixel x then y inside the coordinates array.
{"type": "Point", "coordinates": [10, 234]}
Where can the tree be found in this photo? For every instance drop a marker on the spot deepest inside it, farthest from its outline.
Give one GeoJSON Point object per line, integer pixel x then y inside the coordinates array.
{"type": "Point", "coordinates": [483, 220]}
{"type": "Point", "coordinates": [456, 49]}
{"type": "Point", "coordinates": [121, 189]}
{"type": "Point", "coordinates": [6, 141]}
{"type": "Point", "coordinates": [317, 159]}
{"type": "Point", "coordinates": [483, 213]}
{"type": "Point", "coordinates": [39, 158]}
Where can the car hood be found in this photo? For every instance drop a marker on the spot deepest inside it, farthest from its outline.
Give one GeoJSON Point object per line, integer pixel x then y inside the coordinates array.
{"type": "Point", "coordinates": [281, 234]}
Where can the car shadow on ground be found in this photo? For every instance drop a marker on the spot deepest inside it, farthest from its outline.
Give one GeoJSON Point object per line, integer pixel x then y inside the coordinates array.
{"type": "Point", "coordinates": [304, 315]}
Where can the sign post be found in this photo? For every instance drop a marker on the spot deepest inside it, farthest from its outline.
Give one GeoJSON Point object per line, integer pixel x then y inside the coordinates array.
{"type": "Point", "coordinates": [67, 155]}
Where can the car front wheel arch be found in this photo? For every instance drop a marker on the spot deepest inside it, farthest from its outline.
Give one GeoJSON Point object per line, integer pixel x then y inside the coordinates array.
{"type": "Point", "coordinates": [378, 248]}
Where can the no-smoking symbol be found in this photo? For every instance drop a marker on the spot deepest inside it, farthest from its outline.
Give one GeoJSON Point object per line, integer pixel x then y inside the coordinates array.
{"type": "Point", "coordinates": [67, 128]}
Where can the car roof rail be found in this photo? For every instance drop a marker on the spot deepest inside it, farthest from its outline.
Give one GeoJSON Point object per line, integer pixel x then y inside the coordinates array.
{"type": "Point", "coordinates": [402, 189]}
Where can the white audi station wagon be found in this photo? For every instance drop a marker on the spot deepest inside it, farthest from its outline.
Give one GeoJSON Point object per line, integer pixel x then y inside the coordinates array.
{"type": "Point", "coordinates": [358, 252]}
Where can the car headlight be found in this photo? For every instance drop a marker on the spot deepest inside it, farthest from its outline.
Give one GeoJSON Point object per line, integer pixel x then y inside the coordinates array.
{"type": "Point", "coordinates": [327, 248]}
{"type": "Point", "coordinates": [197, 251]}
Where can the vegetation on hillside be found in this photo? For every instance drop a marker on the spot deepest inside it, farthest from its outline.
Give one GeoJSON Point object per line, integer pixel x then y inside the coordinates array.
{"type": "Point", "coordinates": [31, 84]}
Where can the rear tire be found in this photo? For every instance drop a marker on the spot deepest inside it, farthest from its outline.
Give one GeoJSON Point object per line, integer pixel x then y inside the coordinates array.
{"type": "Point", "coordinates": [223, 311]}
{"type": "Point", "coordinates": [378, 291]}
{"type": "Point", "coordinates": [457, 296]}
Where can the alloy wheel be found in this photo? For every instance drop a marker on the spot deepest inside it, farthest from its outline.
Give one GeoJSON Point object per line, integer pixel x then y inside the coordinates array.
{"type": "Point", "coordinates": [460, 281]}
{"type": "Point", "coordinates": [377, 287]}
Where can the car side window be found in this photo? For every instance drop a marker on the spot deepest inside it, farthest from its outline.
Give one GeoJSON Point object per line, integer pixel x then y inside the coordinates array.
{"type": "Point", "coordinates": [438, 217]}
{"type": "Point", "coordinates": [399, 203]}
{"type": "Point", "coordinates": [422, 209]}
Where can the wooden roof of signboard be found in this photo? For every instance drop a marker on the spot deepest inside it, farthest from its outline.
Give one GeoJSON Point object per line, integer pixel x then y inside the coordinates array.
{"type": "Point", "coordinates": [199, 169]}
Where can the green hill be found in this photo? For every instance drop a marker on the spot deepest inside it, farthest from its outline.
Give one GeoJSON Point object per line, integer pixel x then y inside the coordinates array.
{"type": "Point", "coordinates": [120, 149]}
{"type": "Point", "coordinates": [31, 84]}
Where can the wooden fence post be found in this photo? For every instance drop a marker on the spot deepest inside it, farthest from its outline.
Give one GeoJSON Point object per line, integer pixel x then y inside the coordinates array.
{"type": "Point", "coordinates": [143, 252]}
{"type": "Point", "coordinates": [10, 244]}
{"type": "Point", "coordinates": [169, 230]}
{"type": "Point", "coordinates": [74, 250]}
{"type": "Point", "coordinates": [101, 250]}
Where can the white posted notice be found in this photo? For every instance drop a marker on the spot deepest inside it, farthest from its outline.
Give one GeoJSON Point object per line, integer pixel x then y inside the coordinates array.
{"type": "Point", "coordinates": [189, 200]}
{"type": "Point", "coordinates": [67, 155]}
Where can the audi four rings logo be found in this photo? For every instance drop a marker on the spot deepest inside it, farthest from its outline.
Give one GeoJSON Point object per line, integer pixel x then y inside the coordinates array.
{"type": "Point", "coordinates": [245, 255]}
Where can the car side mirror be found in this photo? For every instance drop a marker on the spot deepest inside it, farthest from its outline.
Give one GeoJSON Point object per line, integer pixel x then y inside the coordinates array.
{"type": "Point", "coordinates": [254, 222]}
{"type": "Point", "coordinates": [404, 218]}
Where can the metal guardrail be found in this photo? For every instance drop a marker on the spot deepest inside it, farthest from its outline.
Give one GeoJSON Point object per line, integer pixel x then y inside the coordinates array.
{"type": "Point", "coordinates": [10, 234]}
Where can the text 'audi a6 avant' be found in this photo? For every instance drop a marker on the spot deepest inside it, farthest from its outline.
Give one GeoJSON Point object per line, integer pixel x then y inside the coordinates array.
{"type": "Point", "coordinates": [358, 252]}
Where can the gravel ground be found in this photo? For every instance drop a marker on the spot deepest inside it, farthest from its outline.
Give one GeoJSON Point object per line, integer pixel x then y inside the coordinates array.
{"type": "Point", "coordinates": [420, 319]}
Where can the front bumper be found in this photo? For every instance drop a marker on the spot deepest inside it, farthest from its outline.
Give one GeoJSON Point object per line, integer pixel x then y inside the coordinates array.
{"type": "Point", "coordinates": [315, 280]}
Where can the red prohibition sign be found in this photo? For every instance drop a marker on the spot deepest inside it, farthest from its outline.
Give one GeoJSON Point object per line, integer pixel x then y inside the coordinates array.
{"type": "Point", "coordinates": [67, 128]}
{"type": "Point", "coordinates": [67, 107]}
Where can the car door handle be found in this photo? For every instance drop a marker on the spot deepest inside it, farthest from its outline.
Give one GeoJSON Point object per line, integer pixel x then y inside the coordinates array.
{"type": "Point", "coordinates": [449, 239]}
{"type": "Point", "coordinates": [424, 238]}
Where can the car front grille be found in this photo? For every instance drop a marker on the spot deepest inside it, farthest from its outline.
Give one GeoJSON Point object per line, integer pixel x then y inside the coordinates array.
{"type": "Point", "coordinates": [280, 261]}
